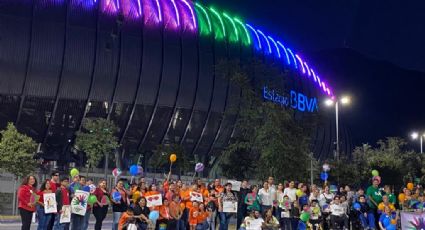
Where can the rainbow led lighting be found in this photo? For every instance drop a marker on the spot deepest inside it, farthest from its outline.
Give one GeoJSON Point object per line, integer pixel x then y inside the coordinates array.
{"type": "Point", "coordinates": [158, 6]}
{"type": "Point", "coordinates": [314, 75]}
{"type": "Point", "coordinates": [256, 35]}
{"type": "Point", "coordinates": [275, 45]}
{"type": "Point", "coordinates": [301, 63]}
{"type": "Point", "coordinates": [192, 13]}
{"type": "Point", "coordinates": [220, 20]}
{"type": "Point", "coordinates": [234, 26]}
{"type": "Point", "coordinates": [248, 38]}
{"type": "Point", "coordinates": [308, 69]}
{"type": "Point", "coordinates": [286, 52]}
{"type": "Point", "coordinates": [177, 12]}
{"type": "Point", "coordinates": [207, 17]}
{"type": "Point", "coordinates": [293, 58]}
{"type": "Point", "coordinates": [267, 41]}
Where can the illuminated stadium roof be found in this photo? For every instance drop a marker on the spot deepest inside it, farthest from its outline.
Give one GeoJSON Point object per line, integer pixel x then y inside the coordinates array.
{"type": "Point", "coordinates": [186, 16]}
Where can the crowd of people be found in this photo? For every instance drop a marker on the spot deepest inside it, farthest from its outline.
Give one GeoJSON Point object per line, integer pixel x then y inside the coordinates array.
{"type": "Point", "coordinates": [288, 206]}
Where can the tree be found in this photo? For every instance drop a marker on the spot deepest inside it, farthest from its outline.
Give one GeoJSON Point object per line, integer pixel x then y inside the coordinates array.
{"type": "Point", "coordinates": [160, 158]}
{"type": "Point", "coordinates": [97, 140]}
{"type": "Point", "coordinates": [16, 152]}
{"type": "Point", "coordinates": [268, 140]}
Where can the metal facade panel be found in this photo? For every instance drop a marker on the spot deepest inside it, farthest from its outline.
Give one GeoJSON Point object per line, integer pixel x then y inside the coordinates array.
{"type": "Point", "coordinates": [47, 50]}
{"type": "Point", "coordinates": [15, 34]}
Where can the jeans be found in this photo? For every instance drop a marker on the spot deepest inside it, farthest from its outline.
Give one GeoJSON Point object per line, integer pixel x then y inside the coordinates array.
{"type": "Point", "coordinates": [100, 214]}
{"type": "Point", "coordinates": [58, 225]}
{"type": "Point", "coordinates": [242, 213]}
{"type": "Point", "coordinates": [86, 219]}
{"type": "Point", "coordinates": [115, 218]}
{"type": "Point", "coordinates": [211, 220]}
{"type": "Point", "coordinates": [77, 222]}
{"type": "Point", "coordinates": [224, 220]}
{"type": "Point", "coordinates": [285, 224]}
{"type": "Point", "coordinates": [26, 217]}
{"type": "Point", "coordinates": [369, 221]}
{"type": "Point", "coordinates": [202, 226]}
{"type": "Point", "coordinates": [43, 218]}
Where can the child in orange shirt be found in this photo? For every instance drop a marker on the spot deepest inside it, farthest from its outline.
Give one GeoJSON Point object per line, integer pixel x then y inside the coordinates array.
{"type": "Point", "coordinates": [202, 216]}
{"type": "Point", "coordinates": [193, 215]}
{"type": "Point", "coordinates": [126, 219]}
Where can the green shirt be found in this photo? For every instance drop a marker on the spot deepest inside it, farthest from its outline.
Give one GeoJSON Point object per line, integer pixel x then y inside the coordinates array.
{"type": "Point", "coordinates": [375, 194]}
{"type": "Point", "coordinates": [391, 198]}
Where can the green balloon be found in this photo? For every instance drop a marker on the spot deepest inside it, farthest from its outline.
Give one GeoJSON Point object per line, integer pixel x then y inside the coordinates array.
{"type": "Point", "coordinates": [92, 199]}
{"type": "Point", "coordinates": [375, 172]}
{"type": "Point", "coordinates": [74, 172]}
{"type": "Point", "coordinates": [305, 216]}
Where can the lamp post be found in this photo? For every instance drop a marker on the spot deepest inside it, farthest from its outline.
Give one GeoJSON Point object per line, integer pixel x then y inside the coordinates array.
{"type": "Point", "coordinates": [345, 100]}
{"type": "Point", "coordinates": [416, 135]}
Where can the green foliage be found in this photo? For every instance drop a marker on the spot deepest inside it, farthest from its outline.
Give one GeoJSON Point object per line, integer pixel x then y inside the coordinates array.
{"type": "Point", "coordinates": [161, 157]}
{"type": "Point", "coordinates": [97, 139]}
{"type": "Point", "coordinates": [395, 164]}
{"type": "Point", "coordinates": [268, 139]}
{"type": "Point", "coordinates": [16, 152]}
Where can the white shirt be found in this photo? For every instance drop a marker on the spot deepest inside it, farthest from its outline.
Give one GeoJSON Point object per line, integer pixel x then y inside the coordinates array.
{"type": "Point", "coordinates": [267, 197]}
{"type": "Point", "coordinates": [338, 209]}
{"type": "Point", "coordinates": [324, 197]}
{"type": "Point", "coordinates": [291, 193]}
{"type": "Point", "coordinates": [252, 223]}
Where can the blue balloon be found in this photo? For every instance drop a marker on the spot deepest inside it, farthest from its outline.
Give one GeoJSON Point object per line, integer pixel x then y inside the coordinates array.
{"type": "Point", "coordinates": [301, 226]}
{"type": "Point", "coordinates": [134, 170]}
{"type": "Point", "coordinates": [356, 206]}
{"type": "Point", "coordinates": [324, 176]}
{"type": "Point", "coordinates": [116, 196]}
{"type": "Point", "coordinates": [154, 215]}
{"type": "Point", "coordinates": [86, 188]}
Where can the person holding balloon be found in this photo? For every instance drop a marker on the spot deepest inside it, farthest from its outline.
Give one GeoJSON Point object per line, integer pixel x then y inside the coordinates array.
{"type": "Point", "coordinates": [387, 221]}
{"type": "Point", "coordinates": [100, 209]}
{"type": "Point", "coordinates": [119, 203]}
{"type": "Point", "coordinates": [375, 197]}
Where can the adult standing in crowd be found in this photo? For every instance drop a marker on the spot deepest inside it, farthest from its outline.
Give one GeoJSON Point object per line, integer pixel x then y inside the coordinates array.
{"type": "Point", "coordinates": [62, 198]}
{"type": "Point", "coordinates": [375, 197]}
{"type": "Point", "coordinates": [100, 209]}
{"type": "Point", "coordinates": [242, 207]}
{"type": "Point", "coordinates": [119, 207]}
{"type": "Point", "coordinates": [25, 204]}
{"type": "Point", "coordinates": [226, 196]}
{"type": "Point", "coordinates": [43, 218]}
{"type": "Point", "coordinates": [267, 196]}
{"type": "Point", "coordinates": [54, 184]}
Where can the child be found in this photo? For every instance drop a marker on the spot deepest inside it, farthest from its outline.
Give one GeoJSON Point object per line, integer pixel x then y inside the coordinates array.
{"type": "Point", "coordinates": [316, 214]}
{"type": "Point", "coordinates": [386, 221]}
{"type": "Point", "coordinates": [202, 217]}
{"type": "Point", "coordinates": [391, 197]}
{"type": "Point", "coordinates": [193, 215]}
{"type": "Point", "coordinates": [285, 215]}
{"type": "Point", "coordinates": [367, 219]}
{"type": "Point", "coordinates": [126, 219]}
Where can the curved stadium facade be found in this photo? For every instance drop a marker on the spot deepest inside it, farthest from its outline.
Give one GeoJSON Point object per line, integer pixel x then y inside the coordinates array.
{"type": "Point", "coordinates": [148, 65]}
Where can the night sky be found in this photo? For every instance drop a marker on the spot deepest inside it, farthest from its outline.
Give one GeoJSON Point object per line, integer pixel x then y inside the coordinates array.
{"type": "Point", "coordinates": [375, 50]}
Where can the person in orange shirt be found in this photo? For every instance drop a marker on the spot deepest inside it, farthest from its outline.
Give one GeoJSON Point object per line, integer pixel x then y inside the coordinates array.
{"type": "Point", "coordinates": [126, 218]}
{"type": "Point", "coordinates": [176, 213]}
{"type": "Point", "coordinates": [202, 217]}
{"type": "Point", "coordinates": [152, 191]}
{"type": "Point", "coordinates": [193, 215]}
{"type": "Point", "coordinates": [164, 213]}
{"type": "Point", "coordinates": [218, 187]}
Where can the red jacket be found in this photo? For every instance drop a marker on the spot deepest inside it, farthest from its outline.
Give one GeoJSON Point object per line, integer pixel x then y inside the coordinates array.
{"type": "Point", "coordinates": [24, 197]}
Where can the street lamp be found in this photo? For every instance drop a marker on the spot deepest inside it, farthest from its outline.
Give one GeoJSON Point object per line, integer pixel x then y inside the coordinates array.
{"type": "Point", "coordinates": [344, 100]}
{"type": "Point", "coordinates": [415, 136]}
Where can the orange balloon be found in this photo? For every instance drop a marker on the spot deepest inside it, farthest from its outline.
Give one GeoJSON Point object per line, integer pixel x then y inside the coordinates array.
{"type": "Point", "coordinates": [393, 222]}
{"type": "Point", "coordinates": [401, 197]}
{"type": "Point", "coordinates": [410, 186]}
{"type": "Point", "coordinates": [182, 206]}
{"type": "Point", "coordinates": [173, 158]}
{"type": "Point", "coordinates": [381, 206]}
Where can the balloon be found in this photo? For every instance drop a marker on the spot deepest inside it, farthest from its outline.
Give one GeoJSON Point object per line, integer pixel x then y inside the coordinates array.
{"type": "Point", "coordinates": [326, 167]}
{"type": "Point", "coordinates": [410, 186]}
{"type": "Point", "coordinates": [316, 210]}
{"type": "Point", "coordinates": [393, 221]}
{"type": "Point", "coordinates": [305, 216]}
{"type": "Point", "coordinates": [116, 172]}
{"type": "Point", "coordinates": [324, 176]}
{"type": "Point", "coordinates": [182, 206]}
{"type": "Point", "coordinates": [134, 170]}
{"type": "Point", "coordinates": [173, 158]}
{"type": "Point", "coordinates": [356, 206]}
{"type": "Point", "coordinates": [154, 215]}
{"type": "Point", "coordinates": [92, 188]}
{"type": "Point", "coordinates": [299, 193]}
{"type": "Point", "coordinates": [199, 167]}
{"type": "Point", "coordinates": [86, 188]}
{"type": "Point", "coordinates": [401, 197]}
{"type": "Point", "coordinates": [381, 206]}
{"type": "Point", "coordinates": [92, 199]}
{"type": "Point", "coordinates": [375, 172]}
{"type": "Point", "coordinates": [116, 196]}
{"type": "Point", "coordinates": [301, 226]}
{"type": "Point", "coordinates": [74, 172]}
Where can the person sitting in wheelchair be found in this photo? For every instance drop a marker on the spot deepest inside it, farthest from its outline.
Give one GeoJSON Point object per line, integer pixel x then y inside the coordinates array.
{"type": "Point", "coordinates": [339, 218]}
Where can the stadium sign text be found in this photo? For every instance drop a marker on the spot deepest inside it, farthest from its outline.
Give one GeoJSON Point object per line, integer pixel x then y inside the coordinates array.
{"type": "Point", "coordinates": [294, 100]}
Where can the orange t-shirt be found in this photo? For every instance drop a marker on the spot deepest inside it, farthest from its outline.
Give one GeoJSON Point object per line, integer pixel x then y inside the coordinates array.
{"type": "Point", "coordinates": [193, 216]}
{"type": "Point", "coordinates": [123, 220]}
{"type": "Point", "coordinates": [174, 209]}
{"type": "Point", "coordinates": [185, 196]}
{"type": "Point", "coordinates": [202, 216]}
{"type": "Point", "coordinates": [219, 189]}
